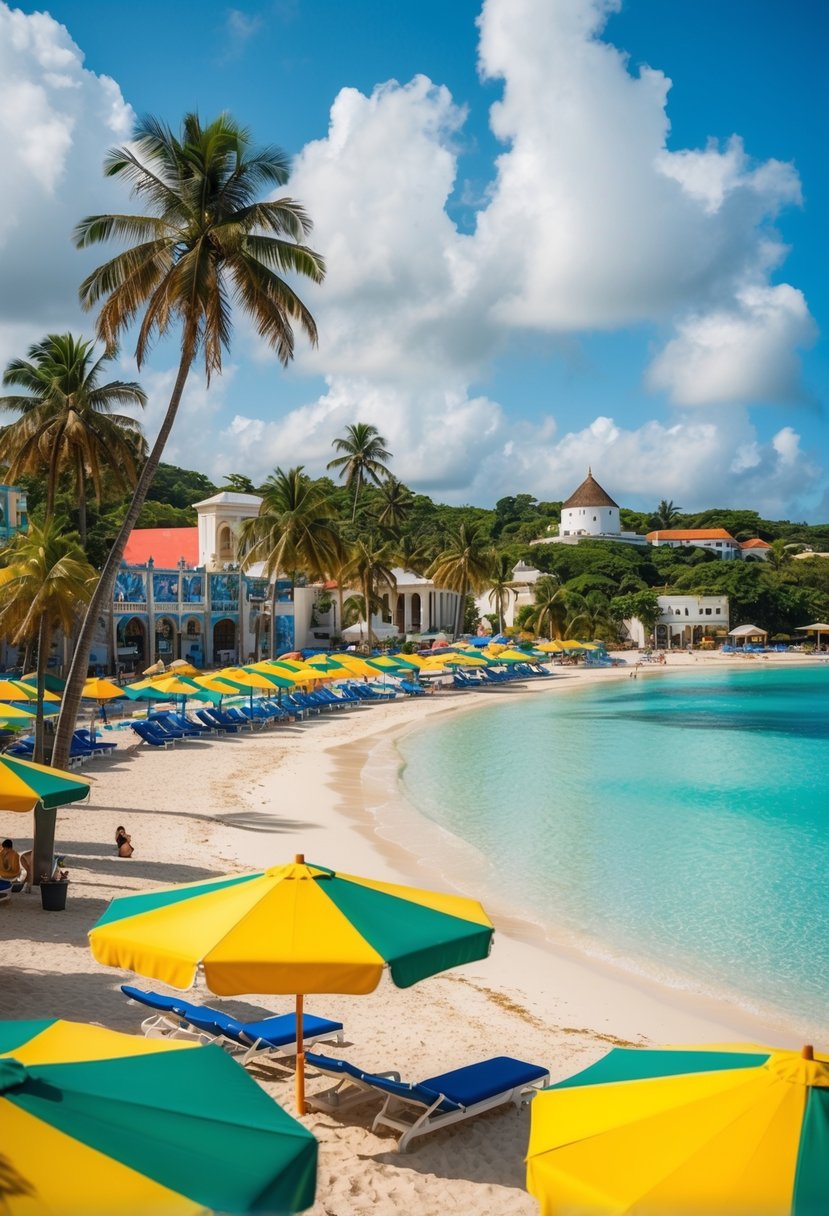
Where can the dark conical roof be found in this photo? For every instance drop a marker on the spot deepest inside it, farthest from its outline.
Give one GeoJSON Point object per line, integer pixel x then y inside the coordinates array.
{"type": "Point", "coordinates": [589, 494]}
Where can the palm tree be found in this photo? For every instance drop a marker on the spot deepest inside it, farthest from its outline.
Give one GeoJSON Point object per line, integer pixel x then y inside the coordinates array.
{"type": "Point", "coordinates": [549, 607]}
{"type": "Point", "coordinates": [412, 554]}
{"type": "Point", "coordinates": [67, 422]}
{"type": "Point", "coordinates": [501, 586]}
{"type": "Point", "coordinates": [205, 240]}
{"type": "Point", "coordinates": [464, 565]}
{"type": "Point", "coordinates": [294, 532]}
{"type": "Point", "coordinates": [666, 515]}
{"type": "Point", "coordinates": [370, 563]}
{"type": "Point", "coordinates": [45, 582]}
{"type": "Point", "coordinates": [364, 450]}
{"type": "Point", "coordinates": [589, 616]}
{"type": "Point", "coordinates": [394, 504]}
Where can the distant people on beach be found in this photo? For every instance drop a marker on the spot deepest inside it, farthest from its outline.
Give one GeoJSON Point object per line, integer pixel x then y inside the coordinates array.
{"type": "Point", "coordinates": [123, 842]}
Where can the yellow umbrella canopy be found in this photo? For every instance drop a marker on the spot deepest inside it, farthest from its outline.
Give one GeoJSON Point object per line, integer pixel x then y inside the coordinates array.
{"type": "Point", "coordinates": [727, 1129]}
{"type": "Point", "coordinates": [23, 785]}
{"type": "Point", "coordinates": [250, 679]}
{"type": "Point", "coordinates": [182, 668]}
{"type": "Point", "coordinates": [356, 666]}
{"type": "Point", "coordinates": [12, 713]}
{"type": "Point", "coordinates": [550, 647]}
{"type": "Point", "coordinates": [101, 690]}
{"type": "Point", "coordinates": [297, 928]}
{"type": "Point", "coordinates": [17, 690]}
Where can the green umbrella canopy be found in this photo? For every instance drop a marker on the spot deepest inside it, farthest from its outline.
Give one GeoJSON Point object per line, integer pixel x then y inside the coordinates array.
{"type": "Point", "coordinates": [53, 683]}
{"type": "Point", "coordinates": [97, 1122]}
{"type": "Point", "coordinates": [23, 785]}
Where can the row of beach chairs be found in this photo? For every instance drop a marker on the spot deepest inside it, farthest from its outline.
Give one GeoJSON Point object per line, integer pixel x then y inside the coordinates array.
{"type": "Point", "coordinates": [86, 745]}
{"type": "Point", "coordinates": [411, 1108]}
{"type": "Point", "coordinates": [482, 677]}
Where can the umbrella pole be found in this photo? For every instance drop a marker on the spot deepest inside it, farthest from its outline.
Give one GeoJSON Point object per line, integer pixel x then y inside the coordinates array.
{"type": "Point", "coordinates": [300, 1058]}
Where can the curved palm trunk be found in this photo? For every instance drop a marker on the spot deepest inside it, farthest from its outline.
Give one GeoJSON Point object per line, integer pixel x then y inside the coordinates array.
{"type": "Point", "coordinates": [102, 595]}
{"type": "Point", "coordinates": [461, 610]}
{"type": "Point", "coordinates": [81, 479]}
{"type": "Point", "coordinates": [44, 835]}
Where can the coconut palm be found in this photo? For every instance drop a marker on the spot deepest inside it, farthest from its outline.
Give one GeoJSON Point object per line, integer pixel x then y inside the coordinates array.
{"type": "Point", "coordinates": [394, 504]}
{"type": "Point", "coordinates": [363, 452]}
{"type": "Point", "coordinates": [294, 532]}
{"type": "Point", "coordinates": [549, 610]}
{"type": "Point", "coordinates": [500, 586]}
{"type": "Point", "coordinates": [46, 579]}
{"type": "Point", "coordinates": [204, 240]}
{"type": "Point", "coordinates": [464, 565]}
{"type": "Point", "coordinates": [67, 421]}
{"type": "Point", "coordinates": [370, 564]}
{"type": "Point", "coordinates": [666, 515]}
{"type": "Point", "coordinates": [588, 616]}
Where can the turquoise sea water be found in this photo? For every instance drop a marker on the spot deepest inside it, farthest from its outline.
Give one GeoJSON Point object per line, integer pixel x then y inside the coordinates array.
{"type": "Point", "coordinates": [681, 820]}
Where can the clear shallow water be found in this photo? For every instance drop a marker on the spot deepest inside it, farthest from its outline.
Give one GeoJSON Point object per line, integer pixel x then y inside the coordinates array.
{"type": "Point", "coordinates": [683, 820]}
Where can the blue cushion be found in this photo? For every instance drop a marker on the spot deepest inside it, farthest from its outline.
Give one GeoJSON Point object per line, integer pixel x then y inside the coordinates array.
{"type": "Point", "coordinates": [477, 1082]}
{"type": "Point", "coordinates": [329, 1064]}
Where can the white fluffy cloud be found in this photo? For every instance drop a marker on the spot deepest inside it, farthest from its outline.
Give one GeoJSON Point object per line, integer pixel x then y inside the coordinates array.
{"type": "Point", "coordinates": [56, 121]}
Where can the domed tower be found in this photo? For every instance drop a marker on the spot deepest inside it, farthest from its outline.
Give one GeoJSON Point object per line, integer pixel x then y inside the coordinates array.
{"type": "Point", "coordinates": [589, 511]}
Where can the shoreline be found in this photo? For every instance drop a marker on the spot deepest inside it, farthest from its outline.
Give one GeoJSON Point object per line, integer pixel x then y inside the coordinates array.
{"type": "Point", "coordinates": [413, 843]}
{"type": "Point", "coordinates": [328, 788]}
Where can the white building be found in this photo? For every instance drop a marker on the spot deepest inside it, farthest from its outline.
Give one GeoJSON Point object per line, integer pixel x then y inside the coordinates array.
{"type": "Point", "coordinates": [717, 540]}
{"type": "Point", "coordinates": [590, 514]}
{"type": "Point", "coordinates": [684, 621]}
{"type": "Point", "coordinates": [220, 521]}
{"type": "Point", "coordinates": [521, 592]}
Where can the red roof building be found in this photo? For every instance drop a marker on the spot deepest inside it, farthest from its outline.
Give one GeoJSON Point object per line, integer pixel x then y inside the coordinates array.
{"type": "Point", "coordinates": [166, 547]}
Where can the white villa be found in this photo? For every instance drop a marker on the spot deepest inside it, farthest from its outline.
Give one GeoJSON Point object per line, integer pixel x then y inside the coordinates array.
{"type": "Point", "coordinates": [684, 621]}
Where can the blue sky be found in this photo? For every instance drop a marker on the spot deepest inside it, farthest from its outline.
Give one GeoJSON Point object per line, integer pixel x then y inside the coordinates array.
{"type": "Point", "coordinates": [540, 257]}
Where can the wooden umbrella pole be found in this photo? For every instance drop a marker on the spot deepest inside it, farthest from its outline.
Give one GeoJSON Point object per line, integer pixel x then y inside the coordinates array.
{"type": "Point", "coordinates": [300, 1059]}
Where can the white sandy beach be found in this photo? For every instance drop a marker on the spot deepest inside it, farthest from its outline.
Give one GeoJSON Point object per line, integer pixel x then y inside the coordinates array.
{"type": "Point", "coordinates": [326, 788]}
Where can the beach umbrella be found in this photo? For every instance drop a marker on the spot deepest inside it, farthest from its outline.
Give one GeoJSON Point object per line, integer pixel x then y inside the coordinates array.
{"type": "Point", "coordinates": [391, 662]}
{"type": "Point", "coordinates": [355, 666]}
{"type": "Point", "coordinates": [714, 1129]}
{"type": "Point", "coordinates": [819, 629]}
{"type": "Point", "coordinates": [155, 669]}
{"type": "Point", "coordinates": [101, 690]}
{"type": "Point", "coordinates": [324, 662]}
{"type": "Point", "coordinates": [95, 1121]}
{"type": "Point", "coordinates": [16, 713]}
{"type": "Point", "coordinates": [53, 683]}
{"type": "Point", "coordinates": [182, 668]}
{"type": "Point", "coordinates": [18, 690]}
{"type": "Point", "coordinates": [294, 929]}
{"type": "Point", "coordinates": [24, 785]}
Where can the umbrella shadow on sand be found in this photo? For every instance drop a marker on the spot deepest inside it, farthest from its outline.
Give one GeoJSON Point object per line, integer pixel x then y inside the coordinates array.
{"type": "Point", "coordinates": [81, 996]}
{"type": "Point", "coordinates": [246, 821]}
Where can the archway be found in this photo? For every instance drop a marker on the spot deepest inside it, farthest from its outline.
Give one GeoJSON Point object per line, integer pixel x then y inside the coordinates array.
{"type": "Point", "coordinates": [416, 612]}
{"type": "Point", "coordinates": [131, 636]}
{"type": "Point", "coordinates": [165, 639]}
{"type": "Point", "coordinates": [400, 614]}
{"type": "Point", "coordinates": [192, 643]}
{"type": "Point", "coordinates": [224, 641]}
{"type": "Point", "coordinates": [224, 543]}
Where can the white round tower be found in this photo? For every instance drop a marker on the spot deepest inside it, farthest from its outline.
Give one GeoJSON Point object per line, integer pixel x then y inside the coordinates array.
{"type": "Point", "coordinates": [589, 511]}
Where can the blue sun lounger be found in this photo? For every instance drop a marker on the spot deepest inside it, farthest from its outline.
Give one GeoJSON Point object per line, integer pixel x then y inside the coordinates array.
{"type": "Point", "coordinates": [177, 1018]}
{"type": "Point", "coordinates": [424, 1106]}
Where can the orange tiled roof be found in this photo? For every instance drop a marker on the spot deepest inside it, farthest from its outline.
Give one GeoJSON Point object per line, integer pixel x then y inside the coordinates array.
{"type": "Point", "coordinates": [164, 545]}
{"type": "Point", "coordinates": [690, 534]}
{"type": "Point", "coordinates": [756, 543]}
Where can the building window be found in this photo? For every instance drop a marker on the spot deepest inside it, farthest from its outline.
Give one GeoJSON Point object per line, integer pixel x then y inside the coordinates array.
{"type": "Point", "coordinates": [716, 612]}
{"type": "Point", "coordinates": [707, 611]}
{"type": "Point", "coordinates": [679, 612]}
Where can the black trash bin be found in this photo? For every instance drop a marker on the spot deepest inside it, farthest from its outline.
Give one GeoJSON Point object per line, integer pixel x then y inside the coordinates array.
{"type": "Point", "coordinates": [53, 896]}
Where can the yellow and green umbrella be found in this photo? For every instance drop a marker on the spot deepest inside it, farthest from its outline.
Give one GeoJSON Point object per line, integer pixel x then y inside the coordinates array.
{"type": "Point", "coordinates": [292, 929]}
{"type": "Point", "coordinates": [355, 666]}
{"type": "Point", "coordinates": [94, 1121]}
{"type": "Point", "coordinates": [550, 647]}
{"type": "Point", "coordinates": [719, 1129]}
{"type": "Point", "coordinates": [53, 683]}
{"type": "Point", "coordinates": [15, 713]}
{"type": "Point", "coordinates": [23, 785]}
{"type": "Point", "coordinates": [19, 690]}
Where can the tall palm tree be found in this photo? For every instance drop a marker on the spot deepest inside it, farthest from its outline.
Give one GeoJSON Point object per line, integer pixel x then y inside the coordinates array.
{"type": "Point", "coordinates": [205, 239]}
{"type": "Point", "coordinates": [394, 504]}
{"type": "Point", "coordinates": [294, 532]}
{"type": "Point", "coordinates": [364, 450]}
{"type": "Point", "coordinates": [500, 585]}
{"type": "Point", "coordinates": [46, 581]}
{"type": "Point", "coordinates": [589, 616]}
{"type": "Point", "coordinates": [549, 607]}
{"type": "Point", "coordinates": [370, 564]}
{"type": "Point", "coordinates": [67, 421]}
{"type": "Point", "coordinates": [413, 554]}
{"type": "Point", "coordinates": [464, 565]}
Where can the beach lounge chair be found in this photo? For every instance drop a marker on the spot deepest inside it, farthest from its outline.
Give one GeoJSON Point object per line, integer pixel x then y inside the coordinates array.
{"type": "Point", "coordinates": [151, 734]}
{"type": "Point", "coordinates": [272, 1036]}
{"type": "Point", "coordinates": [91, 739]}
{"type": "Point", "coordinates": [216, 718]}
{"type": "Point", "coordinates": [424, 1106]}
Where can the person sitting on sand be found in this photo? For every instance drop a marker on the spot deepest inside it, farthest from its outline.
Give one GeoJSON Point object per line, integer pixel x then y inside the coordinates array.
{"type": "Point", "coordinates": [9, 861]}
{"type": "Point", "coordinates": [123, 842]}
